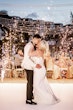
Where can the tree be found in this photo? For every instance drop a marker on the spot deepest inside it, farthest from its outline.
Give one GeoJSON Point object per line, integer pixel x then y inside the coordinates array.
{"type": "Point", "coordinates": [3, 12]}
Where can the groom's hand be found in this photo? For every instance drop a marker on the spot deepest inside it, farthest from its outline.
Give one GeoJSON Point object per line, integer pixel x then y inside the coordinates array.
{"type": "Point", "coordinates": [38, 66]}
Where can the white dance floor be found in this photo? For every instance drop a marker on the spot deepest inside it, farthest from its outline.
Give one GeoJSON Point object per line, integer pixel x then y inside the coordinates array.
{"type": "Point", "coordinates": [13, 95]}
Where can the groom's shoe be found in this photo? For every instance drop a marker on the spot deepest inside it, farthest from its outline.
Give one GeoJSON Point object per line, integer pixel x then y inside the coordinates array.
{"type": "Point", "coordinates": [31, 102]}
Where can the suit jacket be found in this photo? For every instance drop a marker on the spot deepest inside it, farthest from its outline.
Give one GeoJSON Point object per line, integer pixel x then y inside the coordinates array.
{"type": "Point", "coordinates": [27, 63]}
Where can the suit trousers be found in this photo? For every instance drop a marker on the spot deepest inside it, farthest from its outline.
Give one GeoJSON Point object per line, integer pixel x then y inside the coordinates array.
{"type": "Point", "coordinates": [29, 91]}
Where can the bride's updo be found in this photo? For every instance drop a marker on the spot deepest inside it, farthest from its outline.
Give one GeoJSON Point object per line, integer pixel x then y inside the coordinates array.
{"type": "Point", "coordinates": [44, 46]}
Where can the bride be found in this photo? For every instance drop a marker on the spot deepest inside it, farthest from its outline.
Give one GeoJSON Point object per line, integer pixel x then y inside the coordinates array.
{"type": "Point", "coordinates": [43, 93]}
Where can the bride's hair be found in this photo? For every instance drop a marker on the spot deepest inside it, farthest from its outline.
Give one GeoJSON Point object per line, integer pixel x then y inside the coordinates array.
{"type": "Point", "coordinates": [44, 46]}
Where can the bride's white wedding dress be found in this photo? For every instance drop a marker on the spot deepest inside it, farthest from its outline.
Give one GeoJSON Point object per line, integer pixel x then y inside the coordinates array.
{"type": "Point", "coordinates": [43, 93]}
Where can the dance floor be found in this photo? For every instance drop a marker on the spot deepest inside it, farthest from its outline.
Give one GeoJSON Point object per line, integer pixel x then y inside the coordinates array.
{"type": "Point", "coordinates": [13, 95]}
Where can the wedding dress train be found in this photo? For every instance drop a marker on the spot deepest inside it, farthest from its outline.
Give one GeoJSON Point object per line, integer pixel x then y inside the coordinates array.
{"type": "Point", "coordinates": [43, 93]}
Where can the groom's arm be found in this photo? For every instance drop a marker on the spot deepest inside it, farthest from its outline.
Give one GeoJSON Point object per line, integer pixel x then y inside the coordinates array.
{"type": "Point", "coordinates": [33, 53]}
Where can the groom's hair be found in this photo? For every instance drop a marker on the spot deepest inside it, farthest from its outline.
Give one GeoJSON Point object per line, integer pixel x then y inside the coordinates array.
{"type": "Point", "coordinates": [37, 36]}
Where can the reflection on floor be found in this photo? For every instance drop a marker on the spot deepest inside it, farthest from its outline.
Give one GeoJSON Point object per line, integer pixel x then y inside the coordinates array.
{"type": "Point", "coordinates": [23, 80]}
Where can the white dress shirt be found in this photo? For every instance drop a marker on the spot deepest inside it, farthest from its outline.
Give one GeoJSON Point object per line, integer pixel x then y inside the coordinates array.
{"type": "Point", "coordinates": [27, 63]}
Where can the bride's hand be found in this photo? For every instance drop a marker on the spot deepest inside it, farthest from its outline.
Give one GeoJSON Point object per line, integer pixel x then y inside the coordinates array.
{"type": "Point", "coordinates": [38, 66]}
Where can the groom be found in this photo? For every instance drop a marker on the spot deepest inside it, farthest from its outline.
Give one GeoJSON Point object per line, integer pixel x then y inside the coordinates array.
{"type": "Point", "coordinates": [28, 65]}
